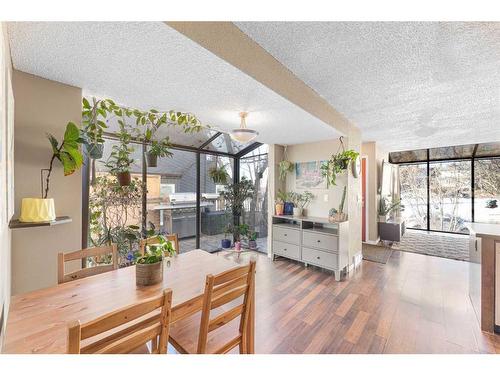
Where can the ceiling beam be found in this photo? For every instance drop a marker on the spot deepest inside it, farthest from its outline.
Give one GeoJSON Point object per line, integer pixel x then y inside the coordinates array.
{"type": "Point", "coordinates": [227, 41]}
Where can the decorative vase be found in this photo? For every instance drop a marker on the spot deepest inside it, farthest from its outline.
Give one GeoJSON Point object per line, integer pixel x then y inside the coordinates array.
{"type": "Point", "coordinates": [225, 243]}
{"type": "Point", "coordinates": [148, 274]}
{"type": "Point", "coordinates": [279, 209]}
{"type": "Point", "coordinates": [37, 210]}
{"type": "Point", "coordinates": [252, 244]}
{"type": "Point", "coordinates": [237, 245]}
{"type": "Point", "coordinates": [288, 209]}
{"type": "Point", "coordinates": [95, 150]}
{"type": "Point", "coordinates": [297, 211]}
{"type": "Point", "coordinates": [151, 159]}
{"type": "Point", "coordinates": [124, 178]}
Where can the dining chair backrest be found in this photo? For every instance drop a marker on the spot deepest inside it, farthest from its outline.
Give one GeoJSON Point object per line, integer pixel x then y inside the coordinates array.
{"type": "Point", "coordinates": [141, 326]}
{"type": "Point", "coordinates": [107, 253]}
{"type": "Point", "coordinates": [173, 238]}
{"type": "Point", "coordinates": [220, 290]}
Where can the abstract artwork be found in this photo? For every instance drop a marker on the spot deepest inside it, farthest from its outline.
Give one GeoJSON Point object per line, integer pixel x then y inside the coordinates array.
{"type": "Point", "coordinates": [308, 175]}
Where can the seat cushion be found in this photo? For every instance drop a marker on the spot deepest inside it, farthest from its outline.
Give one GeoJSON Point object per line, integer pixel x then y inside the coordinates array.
{"type": "Point", "coordinates": [184, 334]}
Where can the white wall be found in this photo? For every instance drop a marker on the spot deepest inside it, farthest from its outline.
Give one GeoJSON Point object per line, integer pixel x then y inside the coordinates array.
{"type": "Point", "coordinates": [43, 106]}
{"type": "Point", "coordinates": [6, 175]}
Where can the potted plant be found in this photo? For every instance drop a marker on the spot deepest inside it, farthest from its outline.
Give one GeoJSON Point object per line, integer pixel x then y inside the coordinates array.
{"type": "Point", "coordinates": [284, 166]}
{"type": "Point", "coordinates": [219, 175]}
{"type": "Point", "coordinates": [119, 161]}
{"type": "Point", "coordinates": [281, 198]}
{"type": "Point", "coordinates": [338, 163]}
{"type": "Point", "coordinates": [226, 242]}
{"type": "Point", "coordinates": [385, 208]}
{"type": "Point", "coordinates": [158, 149]}
{"type": "Point", "coordinates": [68, 153]}
{"type": "Point", "coordinates": [235, 195]}
{"type": "Point", "coordinates": [252, 240]}
{"type": "Point", "coordinates": [93, 124]}
{"type": "Point", "coordinates": [338, 215]}
{"type": "Point", "coordinates": [149, 266]}
{"type": "Point", "coordinates": [300, 201]}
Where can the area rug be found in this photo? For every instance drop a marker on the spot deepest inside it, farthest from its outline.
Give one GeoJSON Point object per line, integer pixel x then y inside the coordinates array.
{"type": "Point", "coordinates": [375, 253]}
{"type": "Point", "coordinates": [444, 245]}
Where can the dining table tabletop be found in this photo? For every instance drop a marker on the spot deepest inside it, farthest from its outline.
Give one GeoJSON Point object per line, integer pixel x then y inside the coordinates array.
{"type": "Point", "coordinates": [38, 320]}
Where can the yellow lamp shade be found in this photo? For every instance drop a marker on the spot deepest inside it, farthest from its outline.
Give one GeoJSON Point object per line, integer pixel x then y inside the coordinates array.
{"type": "Point", "coordinates": [36, 210]}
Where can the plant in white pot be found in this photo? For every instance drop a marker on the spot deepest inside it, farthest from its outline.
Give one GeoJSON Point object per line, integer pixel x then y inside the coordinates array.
{"type": "Point", "coordinates": [149, 266]}
{"type": "Point", "coordinates": [35, 210]}
{"type": "Point", "coordinates": [300, 201]}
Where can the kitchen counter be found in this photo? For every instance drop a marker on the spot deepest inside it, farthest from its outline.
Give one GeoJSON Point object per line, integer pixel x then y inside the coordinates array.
{"type": "Point", "coordinates": [484, 274]}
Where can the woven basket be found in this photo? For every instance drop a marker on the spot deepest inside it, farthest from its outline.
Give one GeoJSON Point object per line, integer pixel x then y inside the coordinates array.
{"type": "Point", "coordinates": [148, 274]}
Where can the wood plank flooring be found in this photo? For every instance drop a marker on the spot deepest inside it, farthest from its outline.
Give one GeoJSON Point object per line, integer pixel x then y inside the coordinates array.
{"type": "Point", "coordinates": [413, 304]}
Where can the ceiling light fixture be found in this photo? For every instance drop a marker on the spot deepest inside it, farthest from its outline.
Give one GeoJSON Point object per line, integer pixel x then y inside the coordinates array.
{"type": "Point", "coordinates": [243, 134]}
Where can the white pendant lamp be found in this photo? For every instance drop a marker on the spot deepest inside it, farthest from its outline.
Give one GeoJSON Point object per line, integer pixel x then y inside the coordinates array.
{"type": "Point", "coordinates": [243, 134]}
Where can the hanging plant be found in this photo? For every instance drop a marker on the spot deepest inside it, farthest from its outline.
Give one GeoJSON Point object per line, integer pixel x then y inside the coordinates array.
{"type": "Point", "coordinates": [218, 174]}
{"type": "Point", "coordinates": [285, 166]}
{"type": "Point", "coordinates": [338, 163]}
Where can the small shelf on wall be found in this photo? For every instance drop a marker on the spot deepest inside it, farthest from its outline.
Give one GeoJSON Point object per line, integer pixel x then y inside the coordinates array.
{"type": "Point", "coordinates": [16, 224]}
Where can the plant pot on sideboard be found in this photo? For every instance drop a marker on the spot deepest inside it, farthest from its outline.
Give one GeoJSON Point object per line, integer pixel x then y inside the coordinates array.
{"type": "Point", "coordinates": [148, 274]}
{"type": "Point", "coordinates": [297, 211]}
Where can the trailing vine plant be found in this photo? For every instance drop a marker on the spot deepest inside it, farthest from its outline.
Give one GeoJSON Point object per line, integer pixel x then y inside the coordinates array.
{"type": "Point", "coordinates": [338, 163]}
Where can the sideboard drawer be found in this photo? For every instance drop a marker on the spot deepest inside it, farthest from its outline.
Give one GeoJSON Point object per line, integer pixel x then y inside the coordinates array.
{"type": "Point", "coordinates": [321, 241]}
{"type": "Point", "coordinates": [286, 235]}
{"type": "Point", "coordinates": [286, 249]}
{"type": "Point", "coordinates": [320, 258]}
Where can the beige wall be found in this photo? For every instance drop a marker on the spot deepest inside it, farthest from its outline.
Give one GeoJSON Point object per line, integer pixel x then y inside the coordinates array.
{"type": "Point", "coordinates": [314, 152]}
{"type": "Point", "coordinates": [374, 157]}
{"type": "Point", "coordinates": [6, 175]}
{"type": "Point", "coordinates": [319, 207]}
{"type": "Point", "coordinates": [43, 106]}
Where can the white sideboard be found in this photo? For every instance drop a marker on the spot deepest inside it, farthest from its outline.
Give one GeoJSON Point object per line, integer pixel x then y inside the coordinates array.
{"type": "Point", "coordinates": [312, 240]}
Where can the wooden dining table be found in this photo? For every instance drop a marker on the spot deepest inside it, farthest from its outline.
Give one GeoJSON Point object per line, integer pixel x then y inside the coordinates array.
{"type": "Point", "coordinates": [38, 320]}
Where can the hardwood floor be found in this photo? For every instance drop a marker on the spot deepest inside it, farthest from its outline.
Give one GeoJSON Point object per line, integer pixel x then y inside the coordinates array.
{"type": "Point", "coordinates": [412, 304]}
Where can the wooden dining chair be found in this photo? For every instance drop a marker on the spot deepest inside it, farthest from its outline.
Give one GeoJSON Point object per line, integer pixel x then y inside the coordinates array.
{"type": "Point", "coordinates": [155, 240]}
{"type": "Point", "coordinates": [62, 258]}
{"type": "Point", "coordinates": [140, 328]}
{"type": "Point", "coordinates": [191, 335]}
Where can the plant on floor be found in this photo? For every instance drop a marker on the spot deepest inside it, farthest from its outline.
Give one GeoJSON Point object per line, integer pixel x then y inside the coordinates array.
{"type": "Point", "coordinates": [114, 215]}
{"type": "Point", "coordinates": [387, 206]}
{"type": "Point", "coordinates": [238, 231]}
{"type": "Point", "coordinates": [235, 195]}
{"type": "Point", "coordinates": [67, 152]}
{"type": "Point", "coordinates": [338, 163]}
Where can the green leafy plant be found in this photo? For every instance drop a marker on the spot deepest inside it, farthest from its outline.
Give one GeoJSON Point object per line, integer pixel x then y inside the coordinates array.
{"type": "Point", "coordinates": [238, 231]}
{"type": "Point", "coordinates": [386, 206]}
{"type": "Point", "coordinates": [161, 148]}
{"type": "Point", "coordinates": [301, 200]}
{"type": "Point", "coordinates": [282, 196]}
{"type": "Point", "coordinates": [93, 119]}
{"type": "Point", "coordinates": [119, 160]}
{"type": "Point", "coordinates": [236, 194]}
{"type": "Point", "coordinates": [155, 253]}
{"type": "Point", "coordinates": [67, 152]}
{"type": "Point", "coordinates": [285, 166]}
{"type": "Point", "coordinates": [219, 175]}
{"type": "Point", "coordinates": [337, 164]}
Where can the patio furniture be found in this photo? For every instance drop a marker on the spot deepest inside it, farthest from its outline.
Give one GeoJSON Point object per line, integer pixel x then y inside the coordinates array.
{"type": "Point", "coordinates": [83, 254]}
{"type": "Point", "coordinates": [136, 331]}
{"type": "Point", "coordinates": [48, 311]}
{"type": "Point", "coordinates": [154, 240]}
{"type": "Point", "coordinates": [220, 290]}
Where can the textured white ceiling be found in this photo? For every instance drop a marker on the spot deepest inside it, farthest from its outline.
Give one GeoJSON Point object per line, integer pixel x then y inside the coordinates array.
{"type": "Point", "coordinates": [406, 85]}
{"type": "Point", "coordinates": [148, 64]}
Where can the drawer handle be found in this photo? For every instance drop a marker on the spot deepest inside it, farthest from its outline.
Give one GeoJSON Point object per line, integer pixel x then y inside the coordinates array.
{"type": "Point", "coordinates": [319, 241]}
{"type": "Point", "coordinates": [318, 258]}
{"type": "Point", "coordinates": [284, 249]}
{"type": "Point", "coordinates": [284, 234]}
